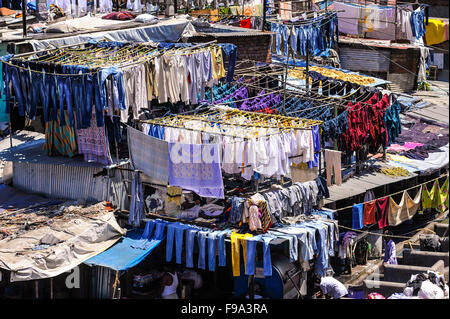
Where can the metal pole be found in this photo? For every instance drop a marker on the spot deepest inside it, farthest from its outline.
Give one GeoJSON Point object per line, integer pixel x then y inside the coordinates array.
{"type": "Point", "coordinates": [251, 287]}
{"type": "Point", "coordinates": [264, 14]}
{"type": "Point", "coordinates": [36, 289]}
{"type": "Point", "coordinates": [307, 66]}
{"type": "Point", "coordinates": [286, 73]}
{"type": "Point", "coordinates": [24, 18]}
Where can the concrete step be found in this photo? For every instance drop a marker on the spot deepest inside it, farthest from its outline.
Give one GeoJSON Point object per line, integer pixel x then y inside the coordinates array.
{"type": "Point", "coordinates": [384, 288]}
{"type": "Point", "coordinates": [440, 229]}
{"type": "Point", "coordinates": [424, 258]}
{"type": "Point", "coordinates": [402, 273]}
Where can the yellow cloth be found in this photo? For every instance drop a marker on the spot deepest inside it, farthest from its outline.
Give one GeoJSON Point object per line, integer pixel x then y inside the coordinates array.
{"type": "Point", "coordinates": [444, 195]}
{"type": "Point", "coordinates": [399, 158]}
{"type": "Point", "coordinates": [432, 198]}
{"type": "Point", "coordinates": [218, 70]}
{"type": "Point", "coordinates": [405, 210]}
{"type": "Point", "coordinates": [174, 194]}
{"type": "Point", "coordinates": [236, 241]}
{"type": "Point", "coordinates": [436, 31]}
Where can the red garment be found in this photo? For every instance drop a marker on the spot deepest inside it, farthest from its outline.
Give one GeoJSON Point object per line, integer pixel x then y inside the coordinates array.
{"type": "Point", "coordinates": [382, 211]}
{"type": "Point", "coordinates": [123, 15]}
{"type": "Point", "coordinates": [369, 213]}
{"type": "Point", "coordinates": [366, 125]}
{"type": "Point", "coordinates": [246, 23]}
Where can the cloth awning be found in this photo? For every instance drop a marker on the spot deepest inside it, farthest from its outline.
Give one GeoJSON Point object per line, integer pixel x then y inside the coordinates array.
{"type": "Point", "coordinates": [126, 253]}
{"type": "Point", "coordinates": [77, 239]}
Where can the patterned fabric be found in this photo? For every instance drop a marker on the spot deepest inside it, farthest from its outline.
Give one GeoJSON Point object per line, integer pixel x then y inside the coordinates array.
{"type": "Point", "coordinates": [60, 140]}
{"type": "Point", "coordinates": [197, 168]}
{"type": "Point", "coordinates": [93, 143]}
{"type": "Point", "coordinates": [149, 154]}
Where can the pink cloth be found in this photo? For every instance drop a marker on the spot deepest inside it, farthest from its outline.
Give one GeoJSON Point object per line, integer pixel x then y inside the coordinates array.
{"type": "Point", "coordinates": [412, 145]}
{"type": "Point", "coordinates": [406, 147]}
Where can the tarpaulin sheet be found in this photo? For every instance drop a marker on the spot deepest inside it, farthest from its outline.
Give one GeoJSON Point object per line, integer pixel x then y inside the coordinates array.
{"type": "Point", "coordinates": [79, 239]}
{"type": "Point", "coordinates": [126, 253]}
{"type": "Point", "coordinates": [164, 31]}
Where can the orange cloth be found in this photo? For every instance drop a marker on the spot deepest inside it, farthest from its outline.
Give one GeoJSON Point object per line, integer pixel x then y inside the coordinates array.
{"type": "Point", "coordinates": [6, 12]}
{"type": "Point", "coordinates": [369, 217]}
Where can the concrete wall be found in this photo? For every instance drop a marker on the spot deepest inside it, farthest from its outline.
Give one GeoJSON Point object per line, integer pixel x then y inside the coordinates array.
{"type": "Point", "coordinates": [424, 258]}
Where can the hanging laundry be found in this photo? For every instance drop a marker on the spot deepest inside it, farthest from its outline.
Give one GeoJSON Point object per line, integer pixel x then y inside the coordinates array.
{"type": "Point", "coordinates": [405, 210]}
{"type": "Point", "coordinates": [369, 213]}
{"type": "Point", "coordinates": [149, 154]}
{"type": "Point", "coordinates": [61, 139]}
{"type": "Point", "coordinates": [436, 31]}
{"type": "Point", "coordinates": [238, 240]}
{"type": "Point", "coordinates": [246, 23]}
{"type": "Point", "coordinates": [382, 205]}
{"type": "Point", "coordinates": [196, 168]}
{"type": "Point", "coordinates": [137, 201]}
{"type": "Point", "coordinates": [333, 164]}
{"type": "Point", "coordinates": [357, 216]}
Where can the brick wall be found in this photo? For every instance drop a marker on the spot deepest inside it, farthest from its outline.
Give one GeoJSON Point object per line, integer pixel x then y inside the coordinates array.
{"type": "Point", "coordinates": [249, 47]}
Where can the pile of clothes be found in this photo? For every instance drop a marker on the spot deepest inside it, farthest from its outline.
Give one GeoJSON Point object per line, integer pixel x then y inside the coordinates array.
{"type": "Point", "coordinates": [429, 285]}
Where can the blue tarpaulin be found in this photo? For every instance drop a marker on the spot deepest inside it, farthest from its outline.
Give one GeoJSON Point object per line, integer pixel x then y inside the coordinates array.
{"type": "Point", "coordinates": [126, 253]}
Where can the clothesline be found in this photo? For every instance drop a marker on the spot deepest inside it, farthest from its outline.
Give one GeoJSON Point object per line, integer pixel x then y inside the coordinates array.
{"type": "Point", "coordinates": [396, 193]}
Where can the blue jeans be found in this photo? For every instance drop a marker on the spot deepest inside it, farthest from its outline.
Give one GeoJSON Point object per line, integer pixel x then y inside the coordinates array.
{"type": "Point", "coordinates": [37, 90]}
{"type": "Point", "coordinates": [25, 83]}
{"type": "Point", "coordinates": [284, 33]}
{"type": "Point", "coordinates": [293, 244]}
{"type": "Point", "coordinates": [148, 230]}
{"type": "Point", "coordinates": [190, 236]}
{"type": "Point", "coordinates": [179, 232]}
{"type": "Point", "coordinates": [117, 76]}
{"type": "Point", "coordinates": [221, 247]}
{"type": "Point", "coordinates": [237, 209]}
{"type": "Point", "coordinates": [274, 27]}
{"type": "Point", "coordinates": [322, 262]}
{"type": "Point", "coordinates": [201, 237]}
{"type": "Point", "coordinates": [65, 95]}
{"type": "Point", "coordinates": [169, 241]}
{"type": "Point", "coordinates": [12, 75]}
{"type": "Point", "coordinates": [92, 89]}
{"type": "Point", "coordinates": [294, 39]}
{"type": "Point", "coordinates": [230, 50]}
{"type": "Point", "coordinates": [251, 254]}
{"type": "Point", "coordinates": [212, 250]}
{"type": "Point", "coordinates": [159, 231]}
{"type": "Point", "coordinates": [51, 107]}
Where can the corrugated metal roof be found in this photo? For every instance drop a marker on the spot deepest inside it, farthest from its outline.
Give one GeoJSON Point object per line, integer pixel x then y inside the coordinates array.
{"type": "Point", "coordinates": [356, 59]}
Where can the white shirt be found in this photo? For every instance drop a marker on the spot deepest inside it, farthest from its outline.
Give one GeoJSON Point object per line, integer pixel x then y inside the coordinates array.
{"type": "Point", "coordinates": [332, 287]}
{"type": "Point", "coordinates": [172, 289]}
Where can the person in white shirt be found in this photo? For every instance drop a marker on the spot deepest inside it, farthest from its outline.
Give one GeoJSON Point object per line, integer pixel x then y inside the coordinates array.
{"type": "Point", "coordinates": [169, 285]}
{"type": "Point", "coordinates": [331, 287]}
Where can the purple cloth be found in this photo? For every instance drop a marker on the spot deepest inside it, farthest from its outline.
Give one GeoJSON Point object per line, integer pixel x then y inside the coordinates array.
{"type": "Point", "coordinates": [197, 168]}
{"type": "Point", "coordinates": [390, 255]}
